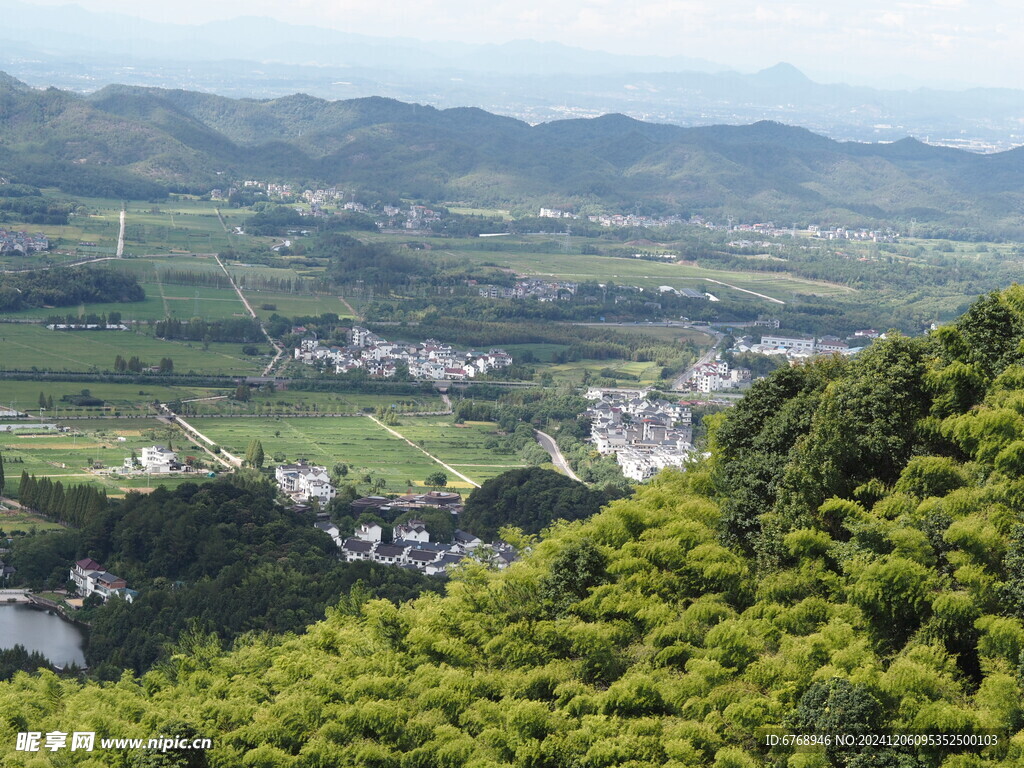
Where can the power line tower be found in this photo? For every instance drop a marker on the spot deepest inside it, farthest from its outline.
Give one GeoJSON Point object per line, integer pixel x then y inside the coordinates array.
{"type": "Point", "coordinates": [567, 239]}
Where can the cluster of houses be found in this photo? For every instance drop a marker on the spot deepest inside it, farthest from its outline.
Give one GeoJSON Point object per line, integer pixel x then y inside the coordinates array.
{"type": "Point", "coordinates": [410, 545]}
{"type": "Point", "coordinates": [716, 375]}
{"type": "Point", "coordinates": [797, 346]}
{"type": "Point", "coordinates": [303, 482]}
{"type": "Point", "coordinates": [22, 242]}
{"type": "Point", "coordinates": [155, 460]}
{"type": "Point", "coordinates": [380, 358]}
{"type": "Point", "coordinates": [644, 435]}
{"type": "Point", "coordinates": [91, 578]}
{"type": "Point", "coordinates": [542, 290]}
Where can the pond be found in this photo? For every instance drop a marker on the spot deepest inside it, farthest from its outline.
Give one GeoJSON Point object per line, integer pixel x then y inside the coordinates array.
{"type": "Point", "coordinates": [58, 640]}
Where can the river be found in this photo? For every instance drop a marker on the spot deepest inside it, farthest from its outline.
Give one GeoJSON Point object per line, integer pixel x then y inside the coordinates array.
{"type": "Point", "coordinates": [58, 640]}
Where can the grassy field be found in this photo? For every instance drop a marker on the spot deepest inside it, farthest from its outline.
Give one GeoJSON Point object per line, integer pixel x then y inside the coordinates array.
{"type": "Point", "coordinates": [462, 446]}
{"type": "Point", "coordinates": [316, 402]}
{"type": "Point", "coordinates": [633, 374]}
{"type": "Point", "coordinates": [367, 448]}
{"type": "Point", "coordinates": [24, 396]}
{"type": "Point", "coordinates": [647, 274]}
{"type": "Point", "coordinates": [17, 520]}
{"type": "Point", "coordinates": [355, 441]}
{"type": "Point", "coordinates": [25, 347]}
{"type": "Point", "coordinates": [294, 305]}
{"type": "Point", "coordinates": [71, 457]}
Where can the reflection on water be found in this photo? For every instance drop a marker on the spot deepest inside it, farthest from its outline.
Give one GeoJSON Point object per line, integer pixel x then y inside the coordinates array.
{"type": "Point", "coordinates": [58, 640]}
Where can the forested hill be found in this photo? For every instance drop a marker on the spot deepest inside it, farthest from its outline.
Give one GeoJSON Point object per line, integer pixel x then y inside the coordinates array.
{"type": "Point", "coordinates": [134, 142]}
{"type": "Point", "coordinates": [850, 560]}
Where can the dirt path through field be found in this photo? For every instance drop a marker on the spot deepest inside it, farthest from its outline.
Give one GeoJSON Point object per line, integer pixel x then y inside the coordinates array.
{"type": "Point", "coordinates": [431, 456]}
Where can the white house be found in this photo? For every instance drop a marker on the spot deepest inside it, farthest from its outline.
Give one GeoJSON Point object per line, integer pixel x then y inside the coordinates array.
{"type": "Point", "coordinates": [413, 530]}
{"type": "Point", "coordinates": [369, 532]}
{"type": "Point", "coordinates": [156, 459]}
{"type": "Point", "coordinates": [304, 482]}
{"type": "Point", "coordinates": [91, 578]}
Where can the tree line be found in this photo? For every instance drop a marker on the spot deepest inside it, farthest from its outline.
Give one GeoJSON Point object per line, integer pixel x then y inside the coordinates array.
{"type": "Point", "coordinates": [65, 287]}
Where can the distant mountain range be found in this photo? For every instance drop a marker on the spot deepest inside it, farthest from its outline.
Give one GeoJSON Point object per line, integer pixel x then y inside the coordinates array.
{"type": "Point", "coordinates": [83, 51]}
{"type": "Point", "coordinates": [131, 141]}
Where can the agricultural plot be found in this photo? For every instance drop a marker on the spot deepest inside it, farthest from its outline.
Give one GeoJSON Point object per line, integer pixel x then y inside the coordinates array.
{"type": "Point", "coordinates": [267, 303]}
{"type": "Point", "coordinates": [627, 373]}
{"type": "Point", "coordinates": [90, 452]}
{"type": "Point", "coordinates": [24, 347]}
{"type": "Point", "coordinates": [19, 520]}
{"type": "Point", "coordinates": [649, 274]}
{"type": "Point", "coordinates": [471, 448]}
{"type": "Point", "coordinates": [283, 402]}
{"type": "Point", "coordinates": [366, 448]}
{"type": "Point", "coordinates": [119, 398]}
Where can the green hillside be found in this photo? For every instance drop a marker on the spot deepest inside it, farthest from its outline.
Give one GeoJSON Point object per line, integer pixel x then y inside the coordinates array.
{"type": "Point", "coordinates": [133, 142]}
{"type": "Point", "coordinates": [849, 561]}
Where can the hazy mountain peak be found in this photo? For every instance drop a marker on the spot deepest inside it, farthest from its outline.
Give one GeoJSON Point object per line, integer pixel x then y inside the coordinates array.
{"type": "Point", "coordinates": [783, 74]}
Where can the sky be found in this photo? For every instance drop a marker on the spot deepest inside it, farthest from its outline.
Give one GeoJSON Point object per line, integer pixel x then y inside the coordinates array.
{"type": "Point", "coordinates": [939, 42]}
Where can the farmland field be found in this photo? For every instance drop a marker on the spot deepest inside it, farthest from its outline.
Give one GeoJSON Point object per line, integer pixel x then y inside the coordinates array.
{"type": "Point", "coordinates": [366, 447]}
{"type": "Point", "coordinates": [71, 457]}
{"type": "Point", "coordinates": [288, 401]}
{"type": "Point", "coordinates": [24, 396]}
{"type": "Point", "coordinates": [649, 274]}
{"type": "Point", "coordinates": [463, 446]}
{"type": "Point", "coordinates": [24, 347]}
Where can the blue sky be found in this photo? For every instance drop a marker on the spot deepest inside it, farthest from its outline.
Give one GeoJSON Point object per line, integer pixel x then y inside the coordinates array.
{"type": "Point", "coordinates": [939, 42]}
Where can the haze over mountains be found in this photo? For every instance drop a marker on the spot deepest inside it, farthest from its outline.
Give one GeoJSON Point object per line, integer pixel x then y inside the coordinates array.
{"type": "Point", "coordinates": [127, 141]}
{"type": "Point", "coordinates": [255, 57]}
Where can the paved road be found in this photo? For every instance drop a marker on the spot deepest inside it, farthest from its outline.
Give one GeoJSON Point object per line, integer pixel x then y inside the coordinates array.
{"type": "Point", "coordinates": [120, 236]}
{"type": "Point", "coordinates": [707, 357]}
{"type": "Point", "coordinates": [547, 442]}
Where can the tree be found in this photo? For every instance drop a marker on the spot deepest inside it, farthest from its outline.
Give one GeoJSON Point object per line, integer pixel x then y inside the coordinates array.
{"type": "Point", "coordinates": [437, 480]}
{"type": "Point", "coordinates": [120, 365]}
{"type": "Point", "coordinates": [166, 365]}
{"type": "Point", "coordinates": [42, 400]}
{"type": "Point", "coordinates": [242, 393]}
{"type": "Point", "coordinates": [254, 455]}
{"type": "Point", "coordinates": [1, 474]}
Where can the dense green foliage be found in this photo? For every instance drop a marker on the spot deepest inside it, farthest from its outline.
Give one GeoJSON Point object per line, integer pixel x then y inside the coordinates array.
{"type": "Point", "coordinates": [529, 499]}
{"type": "Point", "coordinates": [221, 557]}
{"type": "Point", "coordinates": [850, 559]}
{"type": "Point", "coordinates": [18, 659]}
{"type": "Point", "coordinates": [65, 287]}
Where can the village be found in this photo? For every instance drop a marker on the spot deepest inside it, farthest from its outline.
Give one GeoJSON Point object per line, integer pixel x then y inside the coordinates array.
{"type": "Point", "coordinates": [380, 358]}
{"type": "Point", "coordinates": [22, 242]}
{"type": "Point", "coordinates": [645, 435]}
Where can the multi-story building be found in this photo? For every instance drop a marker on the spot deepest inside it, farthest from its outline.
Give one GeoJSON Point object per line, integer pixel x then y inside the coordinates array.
{"type": "Point", "coordinates": [303, 482]}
